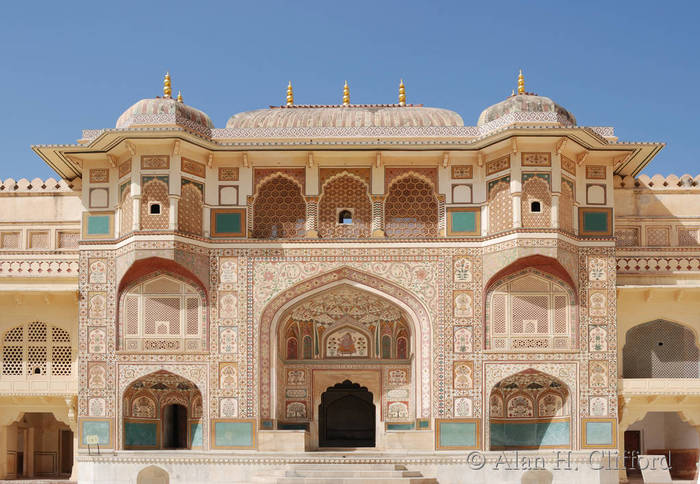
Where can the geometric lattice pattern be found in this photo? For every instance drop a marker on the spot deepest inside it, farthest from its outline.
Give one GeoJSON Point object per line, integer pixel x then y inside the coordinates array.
{"type": "Point", "coordinates": [566, 206]}
{"type": "Point", "coordinates": [36, 349]}
{"type": "Point", "coordinates": [500, 207]}
{"type": "Point", "coordinates": [190, 208]}
{"type": "Point", "coordinates": [530, 312]}
{"type": "Point", "coordinates": [339, 193]}
{"type": "Point", "coordinates": [162, 313]}
{"type": "Point", "coordinates": [536, 189]}
{"type": "Point", "coordinates": [660, 349]}
{"type": "Point", "coordinates": [126, 212]}
{"type": "Point", "coordinates": [627, 236]}
{"type": "Point", "coordinates": [279, 209]}
{"type": "Point", "coordinates": [411, 209]}
{"type": "Point", "coordinates": [155, 191]}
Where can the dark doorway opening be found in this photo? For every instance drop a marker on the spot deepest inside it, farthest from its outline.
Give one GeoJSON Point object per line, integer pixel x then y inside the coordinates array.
{"type": "Point", "coordinates": [175, 427]}
{"type": "Point", "coordinates": [633, 448]}
{"type": "Point", "coordinates": [346, 416]}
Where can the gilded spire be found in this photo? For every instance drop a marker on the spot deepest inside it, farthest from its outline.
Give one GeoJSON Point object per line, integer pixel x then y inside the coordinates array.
{"type": "Point", "coordinates": [290, 94]}
{"type": "Point", "coordinates": [346, 94]}
{"type": "Point", "coordinates": [167, 91]}
{"type": "Point", "coordinates": [402, 94]}
{"type": "Point", "coordinates": [521, 83]}
{"type": "Point", "coordinates": [179, 97]}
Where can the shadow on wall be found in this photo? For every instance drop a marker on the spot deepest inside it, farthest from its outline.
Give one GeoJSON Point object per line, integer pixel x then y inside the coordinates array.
{"type": "Point", "coordinates": [537, 477]}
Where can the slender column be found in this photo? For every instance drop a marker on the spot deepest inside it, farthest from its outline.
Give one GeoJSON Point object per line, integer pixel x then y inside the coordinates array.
{"type": "Point", "coordinates": [378, 216]}
{"type": "Point", "coordinates": [206, 220]}
{"type": "Point", "coordinates": [555, 210]}
{"type": "Point", "coordinates": [311, 224]}
{"type": "Point", "coordinates": [137, 213]}
{"type": "Point", "coordinates": [249, 215]}
{"type": "Point", "coordinates": [442, 216]}
{"type": "Point", "coordinates": [3, 452]}
{"type": "Point", "coordinates": [172, 215]}
{"type": "Point", "coordinates": [517, 215]}
{"type": "Point", "coordinates": [29, 452]}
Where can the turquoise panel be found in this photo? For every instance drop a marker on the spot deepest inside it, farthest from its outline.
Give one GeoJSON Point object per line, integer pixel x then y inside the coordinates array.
{"type": "Point", "coordinates": [195, 434]}
{"type": "Point", "coordinates": [530, 434]}
{"type": "Point", "coordinates": [457, 434]}
{"type": "Point", "coordinates": [267, 424]}
{"type": "Point", "coordinates": [464, 221]}
{"type": "Point", "coordinates": [595, 221]}
{"type": "Point", "coordinates": [599, 433]}
{"type": "Point", "coordinates": [228, 223]}
{"type": "Point", "coordinates": [101, 429]}
{"type": "Point", "coordinates": [98, 225]}
{"type": "Point", "coordinates": [400, 426]}
{"type": "Point", "coordinates": [233, 434]}
{"type": "Point", "coordinates": [423, 424]}
{"type": "Point", "coordinates": [140, 434]}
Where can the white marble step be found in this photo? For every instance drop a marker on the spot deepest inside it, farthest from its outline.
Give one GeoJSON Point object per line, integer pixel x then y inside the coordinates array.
{"type": "Point", "coordinates": [350, 473]}
{"type": "Point", "coordinates": [344, 474]}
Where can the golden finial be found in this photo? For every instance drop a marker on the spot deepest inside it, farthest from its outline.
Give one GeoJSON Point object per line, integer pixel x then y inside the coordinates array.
{"type": "Point", "coordinates": [402, 94]}
{"type": "Point", "coordinates": [521, 83]}
{"type": "Point", "coordinates": [346, 94]}
{"type": "Point", "coordinates": [179, 97]}
{"type": "Point", "coordinates": [290, 94]}
{"type": "Point", "coordinates": [167, 91]}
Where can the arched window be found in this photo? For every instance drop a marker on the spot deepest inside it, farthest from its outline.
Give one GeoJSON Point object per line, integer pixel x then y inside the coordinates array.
{"type": "Point", "coordinates": [411, 208]}
{"type": "Point", "coordinates": [660, 349]}
{"type": "Point", "coordinates": [36, 350]}
{"type": "Point", "coordinates": [530, 311]}
{"type": "Point", "coordinates": [162, 313]}
{"type": "Point", "coordinates": [536, 202]}
{"type": "Point", "coordinates": [279, 210]}
{"type": "Point", "coordinates": [345, 208]}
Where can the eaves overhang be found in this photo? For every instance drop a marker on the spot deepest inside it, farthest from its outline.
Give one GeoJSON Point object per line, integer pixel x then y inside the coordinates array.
{"type": "Point", "coordinates": [633, 156]}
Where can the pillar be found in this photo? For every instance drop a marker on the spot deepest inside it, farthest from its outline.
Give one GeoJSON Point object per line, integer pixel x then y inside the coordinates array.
{"type": "Point", "coordinates": [3, 452]}
{"type": "Point", "coordinates": [311, 224]}
{"type": "Point", "coordinates": [555, 211]}
{"type": "Point", "coordinates": [378, 216]}
{"type": "Point", "coordinates": [517, 212]}
{"type": "Point", "coordinates": [137, 213]}
{"type": "Point", "coordinates": [172, 215]}
{"type": "Point", "coordinates": [29, 446]}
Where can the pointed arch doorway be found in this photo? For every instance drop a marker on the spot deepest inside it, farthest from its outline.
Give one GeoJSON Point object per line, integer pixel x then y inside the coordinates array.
{"type": "Point", "coordinates": [346, 416]}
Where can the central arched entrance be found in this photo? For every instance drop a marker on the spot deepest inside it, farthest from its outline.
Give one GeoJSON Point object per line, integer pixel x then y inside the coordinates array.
{"type": "Point", "coordinates": [346, 416]}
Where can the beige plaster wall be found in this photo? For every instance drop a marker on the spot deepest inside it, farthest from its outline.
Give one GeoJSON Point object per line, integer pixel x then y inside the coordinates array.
{"type": "Point", "coordinates": [26, 208]}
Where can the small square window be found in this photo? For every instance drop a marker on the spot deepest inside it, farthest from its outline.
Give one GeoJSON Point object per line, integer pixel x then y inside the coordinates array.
{"type": "Point", "coordinates": [154, 209]}
{"type": "Point", "coordinates": [535, 206]}
{"type": "Point", "coordinates": [345, 217]}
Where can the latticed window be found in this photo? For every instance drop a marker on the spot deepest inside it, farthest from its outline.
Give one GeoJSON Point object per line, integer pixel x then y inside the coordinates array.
{"type": "Point", "coordinates": [162, 314]}
{"type": "Point", "coordinates": [36, 350]}
{"type": "Point", "coordinates": [530, 312]}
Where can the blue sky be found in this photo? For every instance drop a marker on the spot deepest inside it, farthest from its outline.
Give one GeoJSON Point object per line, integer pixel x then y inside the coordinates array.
{"type": "Point", "coordinates": [68, 66]}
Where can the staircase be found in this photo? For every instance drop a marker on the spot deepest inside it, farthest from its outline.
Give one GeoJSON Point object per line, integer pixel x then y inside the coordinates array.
{"type": "Point", "coordinates": [344, 474]}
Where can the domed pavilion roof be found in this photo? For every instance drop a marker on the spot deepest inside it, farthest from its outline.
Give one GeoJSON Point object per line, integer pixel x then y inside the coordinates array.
{"type": "Point", "coordinates": [165, 111]}
{"type": "Point", "coordinates": [525, 107]}
{"type": "Point", "coordinates": [346, 115]}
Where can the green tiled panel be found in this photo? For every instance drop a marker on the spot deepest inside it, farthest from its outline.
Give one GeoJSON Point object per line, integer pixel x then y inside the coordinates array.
{"type": "Point", "coordinates": [599, 433]}
{"type": "Point", "coordinates": [464, 221]}
{"type": "Point", "coordinates": [140, 434]}
{"type": "Point", "coordinates": [595, 221]}
{"type": "Point", "coordinates": [233, 434]}
{"type": "Point", "coordinates": [228, 223]}
{"type": "Point", "coordinates": [101, 429]}
{"type": "Point", "coordinates": [400, 426]}
{"type": "Point", "coordinates": [195, 434]}
{"type": "Point", "coordinates": [530, 434]}
{"type": "Point", "coordinates": [457, 434]}
{"type": "Point", "coordinates": [98, 225]}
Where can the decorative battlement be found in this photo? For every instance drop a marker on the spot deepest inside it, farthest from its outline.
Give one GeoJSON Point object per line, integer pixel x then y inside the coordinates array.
{"type": "Point", "coordinates": [658, 182]}
{"type": "Point", "coordinates": [37, 185]}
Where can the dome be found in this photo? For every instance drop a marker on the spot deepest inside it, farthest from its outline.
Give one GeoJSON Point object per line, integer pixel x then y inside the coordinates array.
{"type": "Point", "coordinates": [345, 116]}
{"type": "Point", "coordinates": [165, 111]}
{"type": "Point", "coordinates": [527, 107]}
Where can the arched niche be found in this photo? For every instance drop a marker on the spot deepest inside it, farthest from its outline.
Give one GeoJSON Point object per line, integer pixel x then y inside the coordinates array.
{"type": "Point", "coordinates": [152, 475]}
{"type": "Point", "coordinates": [162, 410]}
{"type": "Point", "coordinates": [275, 315]}
{"type": "Point", "coordinates": [530, 410]}
{"type": "Point", "coordinates": [660, 349]}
